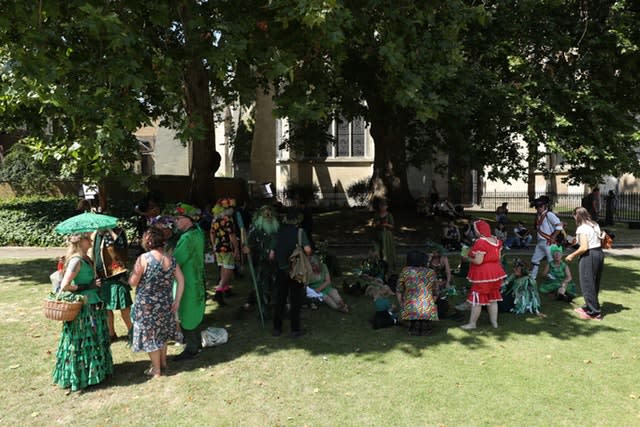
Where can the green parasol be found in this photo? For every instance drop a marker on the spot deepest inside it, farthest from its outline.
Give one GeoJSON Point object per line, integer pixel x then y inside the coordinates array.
{"type": "Point", "coordinates": [85, 223]}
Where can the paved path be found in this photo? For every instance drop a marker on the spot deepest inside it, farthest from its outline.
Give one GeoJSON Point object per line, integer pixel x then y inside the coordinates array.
{"type": "Point", "coordinates": [18, 252]}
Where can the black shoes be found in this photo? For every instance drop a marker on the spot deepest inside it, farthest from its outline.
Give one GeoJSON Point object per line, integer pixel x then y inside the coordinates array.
{"type": "Point", "coordinates": [219, 298]}
{"type": "Point", "coordinates": [185, 356]}
{"type": "Point", "coordinates": [297, 334]}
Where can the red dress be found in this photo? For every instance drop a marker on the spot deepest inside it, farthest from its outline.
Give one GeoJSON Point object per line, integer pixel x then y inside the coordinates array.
{"type": "Point", "coordinates": [486, 278]}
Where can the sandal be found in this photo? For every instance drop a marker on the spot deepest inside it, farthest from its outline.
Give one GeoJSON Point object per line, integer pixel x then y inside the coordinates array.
{"type": "Point", "coordinates": [152, 372]}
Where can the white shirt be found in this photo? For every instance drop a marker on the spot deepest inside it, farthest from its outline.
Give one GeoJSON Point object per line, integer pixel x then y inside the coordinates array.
{"type": "Point", "coordinates": [547, 222]}
{"type": "Point", "coordinates": [592, 231]}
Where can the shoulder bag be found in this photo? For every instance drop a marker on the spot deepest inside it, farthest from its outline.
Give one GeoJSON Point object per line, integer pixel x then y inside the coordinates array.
{"type": "Point", "coordinates": [300, 268]}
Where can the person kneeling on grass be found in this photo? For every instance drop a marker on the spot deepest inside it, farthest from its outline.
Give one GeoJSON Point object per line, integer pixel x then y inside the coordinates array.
{"type": "Point", "coordinates": [415, 294]}
{"type": "Point", "coordinates": [557, 277]}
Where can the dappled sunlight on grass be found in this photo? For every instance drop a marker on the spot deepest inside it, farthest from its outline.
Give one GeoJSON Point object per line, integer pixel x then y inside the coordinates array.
{"type": "Point", "coordinates": [341, 364]}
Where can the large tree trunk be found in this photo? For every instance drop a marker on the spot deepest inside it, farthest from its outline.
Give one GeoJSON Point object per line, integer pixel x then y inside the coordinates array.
{"type": "Point", "coordinates": [263, 145]}
{"type": "Point", "coordinates": [204, 160]}
{"type": "Point", "coordinates": [389, 133]}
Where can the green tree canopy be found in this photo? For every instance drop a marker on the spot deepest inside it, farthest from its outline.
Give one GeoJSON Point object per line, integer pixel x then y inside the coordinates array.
{"type": "Point", "coordinates": [460, 76]}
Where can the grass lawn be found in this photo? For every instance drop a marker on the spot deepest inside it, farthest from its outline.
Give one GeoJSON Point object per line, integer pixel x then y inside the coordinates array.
{"type": "Point", "coordinates": [531, 371]}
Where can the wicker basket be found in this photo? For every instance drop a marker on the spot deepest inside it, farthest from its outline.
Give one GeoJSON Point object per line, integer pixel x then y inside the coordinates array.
{"type": "Point", "coordinates": [61, 310]}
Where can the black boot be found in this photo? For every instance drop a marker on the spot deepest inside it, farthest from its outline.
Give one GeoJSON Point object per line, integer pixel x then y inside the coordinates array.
{"type": "Point", "coordinates": [219, 298]}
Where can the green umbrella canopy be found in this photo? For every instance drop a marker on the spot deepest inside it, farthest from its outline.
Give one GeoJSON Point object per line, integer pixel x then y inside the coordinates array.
{"type": "Point", "coordinates": [85, 223]}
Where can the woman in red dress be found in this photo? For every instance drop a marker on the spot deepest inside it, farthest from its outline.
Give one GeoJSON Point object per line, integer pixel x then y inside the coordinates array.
{"type": "Point", "coordinates": [485, 274]}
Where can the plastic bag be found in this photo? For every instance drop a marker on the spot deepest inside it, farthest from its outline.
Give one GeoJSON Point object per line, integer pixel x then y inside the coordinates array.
{"type": "Point", "coordinates": [214, 336]}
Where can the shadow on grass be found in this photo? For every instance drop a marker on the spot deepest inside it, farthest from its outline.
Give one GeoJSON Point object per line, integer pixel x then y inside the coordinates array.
{"type": "Point", "coordinates": [332, 333]}
{"type": "Point", "coordinates": [28, 272]}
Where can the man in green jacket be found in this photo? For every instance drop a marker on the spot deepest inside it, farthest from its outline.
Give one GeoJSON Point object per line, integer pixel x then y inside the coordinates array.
{"type": "Point", "coordinates": [189, 254]}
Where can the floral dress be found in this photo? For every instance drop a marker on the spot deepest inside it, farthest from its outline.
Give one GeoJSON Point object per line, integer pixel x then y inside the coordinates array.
{"type": "Point", "coordinates": [154, 323]}
{"type": "Point", "coordinates": [221, 231]}
{"type": "Point", "coordinates": [415, 284]}
{"type": "Point", "coordinates": [83, 357]}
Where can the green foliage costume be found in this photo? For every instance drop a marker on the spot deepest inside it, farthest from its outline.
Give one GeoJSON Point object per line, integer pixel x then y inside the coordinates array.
{"type": "Point", "coordinates": [83, 357]}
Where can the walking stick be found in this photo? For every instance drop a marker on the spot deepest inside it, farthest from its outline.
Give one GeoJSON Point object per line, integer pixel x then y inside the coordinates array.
{"type": "Point", "coordinates": [243, 241]}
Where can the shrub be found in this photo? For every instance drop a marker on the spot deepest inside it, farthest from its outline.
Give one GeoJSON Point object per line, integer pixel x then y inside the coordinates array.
{"type": "Point", "coordinates": [360, 192]}
{"type": "Point", "coordinates": [31, 221]}
{"type": "Point", "coordinates": [26, 174]}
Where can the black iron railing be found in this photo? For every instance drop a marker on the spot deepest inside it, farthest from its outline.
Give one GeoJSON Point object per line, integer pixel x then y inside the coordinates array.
{"type": "Point", "coordinates": [625, 207]}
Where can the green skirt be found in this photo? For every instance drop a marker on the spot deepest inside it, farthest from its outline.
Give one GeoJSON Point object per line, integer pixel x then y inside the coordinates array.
{"type": "Point", "coordinates": [549, 286]}
{"type": "Point", "coordinates": [116, 294]}
{"type": "Point", "coordinates": [84, 353]}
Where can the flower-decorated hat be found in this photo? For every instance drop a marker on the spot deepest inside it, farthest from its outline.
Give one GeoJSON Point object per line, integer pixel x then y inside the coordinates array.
{"type": "Point", "coordinates": [222, 205]}
{"type": "Point", "coordinates": [186, 210]}
{"type": "Point", "coordinates": [162, 221]}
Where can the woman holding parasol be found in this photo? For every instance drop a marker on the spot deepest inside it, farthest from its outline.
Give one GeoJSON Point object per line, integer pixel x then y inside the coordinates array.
{"type": "Point", "coordinates": [83, 357]}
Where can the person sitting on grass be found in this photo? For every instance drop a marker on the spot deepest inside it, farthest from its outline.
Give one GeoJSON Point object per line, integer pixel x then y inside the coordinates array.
{"type": "Point", "coordinates": [523, 290]}
{"type": "Point", "coordinates": [522, 235]}
{"type": "Point", "coordinates": [321, 284]}
{"type": "Point", "coordinates": [451, 237]}
{"type": "Point", "coordinates": [502, 234]}
{"type": "Point", "coordinates": [557, 277]}
{"type": "Point", "coordinates": [385, 315]}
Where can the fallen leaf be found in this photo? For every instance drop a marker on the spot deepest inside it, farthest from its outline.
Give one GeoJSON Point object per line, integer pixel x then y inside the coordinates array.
{"type": "Point", "coordinates": [587, 361]}
{"type": "Point", "coordinates": [482, 362]}
{"type": "Point", "coordinates": [315, 390]}
{"type": "Point", "coordinates": [14, 366]}
{"type": "Point", "coordinates": [633, 396]}
{"type": "Point", "coordinates": [548, 356]}
{"type": "Point", "coordinates": [35, 414]}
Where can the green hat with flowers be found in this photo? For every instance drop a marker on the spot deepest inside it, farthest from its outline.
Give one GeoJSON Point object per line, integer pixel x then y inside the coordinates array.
{"type": "Point", "coordinates": [186, 210]}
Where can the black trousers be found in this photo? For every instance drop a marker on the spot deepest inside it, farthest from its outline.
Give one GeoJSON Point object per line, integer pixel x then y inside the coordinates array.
{"type": "Point", "coordinates": [192, 340]}
{"type": "Point", "coordinates": [590, 271]}
{"type": "Point", "coordinates": [287, 288]}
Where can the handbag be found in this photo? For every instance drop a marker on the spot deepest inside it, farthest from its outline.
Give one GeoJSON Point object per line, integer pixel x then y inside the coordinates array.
{"type": "Point", "coordinates": [606, 241]}
{"type": "Point", "coordinates": [300, 268]}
